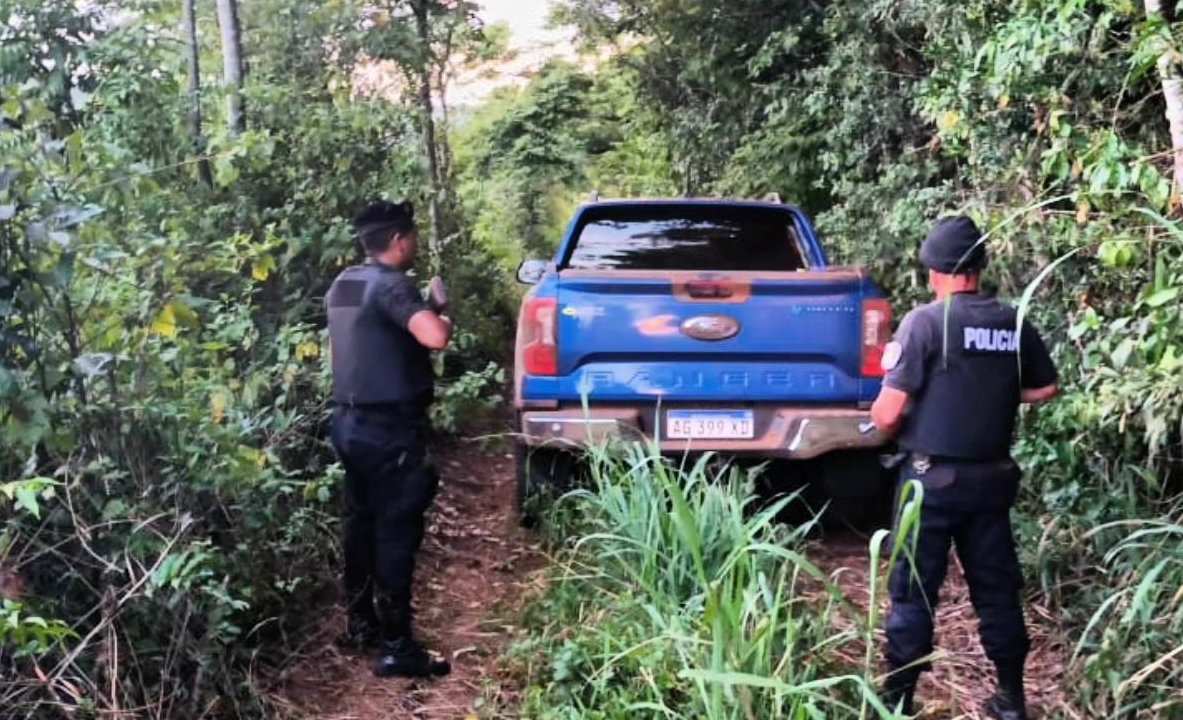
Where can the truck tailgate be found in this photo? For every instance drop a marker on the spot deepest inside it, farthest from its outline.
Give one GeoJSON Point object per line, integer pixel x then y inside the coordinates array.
{"type": "Point", "coordinates": [693, 337]}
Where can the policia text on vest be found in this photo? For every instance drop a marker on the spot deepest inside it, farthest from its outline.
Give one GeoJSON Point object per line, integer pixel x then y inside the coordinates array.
{"type": "Point", "coordinates": [991, 340]}
{"type": "Point", "coordinates": [381, 333]}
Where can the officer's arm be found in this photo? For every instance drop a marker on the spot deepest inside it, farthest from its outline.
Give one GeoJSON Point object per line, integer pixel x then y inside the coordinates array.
{"type": "Point", "coordinates": [888, 411]}
{"type": "Point", "coordinates": [403, 304]}
{"type": "Point", "coordinates": [904, 362]}
{"type": "Point", "coordinates": [431, 330]}
{"type": "Point", "coordinates": [1040, 395]}
{"type": "Point", "coordinates": [1040, 382]}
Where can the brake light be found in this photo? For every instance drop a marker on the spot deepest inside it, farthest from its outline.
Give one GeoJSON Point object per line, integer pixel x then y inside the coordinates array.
{"type": "Point", "coordinates": [876, 335]}
{"type": "Point", "coordinates": [540, 337]}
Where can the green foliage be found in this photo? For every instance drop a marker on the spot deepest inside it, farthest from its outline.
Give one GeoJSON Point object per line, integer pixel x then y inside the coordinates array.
{"type": "Point", "coordinates": [44, 45]}
{"type": "Point", "coordinates": [1128, 652]}
{"type": "Point", "coordinates": [1043, 121]}
{"type": "Point", "coordinates": [162, 354]}
{"type": "Point", "coordinates": [676, 595]}
{"type": "Point", "coordinates": [25, 493]}
{"type": "Point", "coordinates": [466, 400]}
{"type": "Point", "coordinates": [528, 158]}
{"type": "Point", "coordinates": [705, 68]}
{"type": "Point", "coordinates": [30, 635]}
{"type": "Point", "coordinates": [513, 160]}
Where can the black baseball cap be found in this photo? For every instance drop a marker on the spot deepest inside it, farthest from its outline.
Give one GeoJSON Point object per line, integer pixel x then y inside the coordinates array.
{"type": "Point", "coordinates": [954, 246]}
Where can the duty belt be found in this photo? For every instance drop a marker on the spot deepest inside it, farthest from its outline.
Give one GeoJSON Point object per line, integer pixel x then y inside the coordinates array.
{"type": "Point", "coordinates": [922, 462]}
{"type": "Point", "coordinates": [410, 409]}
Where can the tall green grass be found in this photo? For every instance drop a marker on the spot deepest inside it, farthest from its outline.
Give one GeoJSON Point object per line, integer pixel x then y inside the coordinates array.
{"type": "Point", "coordinates": [1130, 656]}
{"type": "Point", "coordinates": [678, 594]}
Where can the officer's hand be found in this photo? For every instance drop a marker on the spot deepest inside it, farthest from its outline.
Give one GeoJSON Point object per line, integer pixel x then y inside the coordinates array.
{"type": "Point", "coordinates": [437, 295]}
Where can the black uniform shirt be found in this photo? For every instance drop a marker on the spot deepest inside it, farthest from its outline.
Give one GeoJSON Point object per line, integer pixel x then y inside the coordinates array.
{"type": "Point", "coordinates": [376, 359]}
{"type": "Point", "coordinates": [963, 364]}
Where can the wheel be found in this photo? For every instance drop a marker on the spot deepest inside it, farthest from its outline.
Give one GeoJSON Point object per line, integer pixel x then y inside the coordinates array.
{"type": "Point", "coordinates": [543, 474]}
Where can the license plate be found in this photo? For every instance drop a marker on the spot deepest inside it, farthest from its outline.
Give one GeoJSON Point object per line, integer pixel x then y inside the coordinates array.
{"type": "Point", "coordinates": [710, 425]}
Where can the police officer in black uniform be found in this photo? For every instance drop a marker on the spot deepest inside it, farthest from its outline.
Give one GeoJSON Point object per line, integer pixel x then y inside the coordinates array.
{"type": "Point", "coordinates": [381, 334]}
{"type": "Point", "coordinates": [957, 372]}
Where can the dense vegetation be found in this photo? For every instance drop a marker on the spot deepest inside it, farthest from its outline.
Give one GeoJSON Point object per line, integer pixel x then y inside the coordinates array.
{"type": "Point", "coordinates": [161, 368]}
{"type": "Point", "coordinates": [162, 390]}
{"type": "Point", "coordinates": [1044, 120]}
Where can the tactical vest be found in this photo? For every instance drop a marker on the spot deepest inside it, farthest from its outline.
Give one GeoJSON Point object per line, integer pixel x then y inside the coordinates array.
{"type": "Point", "coordinates": [969, 402]}
{"type": "Point", "coordinates": [375, 360]}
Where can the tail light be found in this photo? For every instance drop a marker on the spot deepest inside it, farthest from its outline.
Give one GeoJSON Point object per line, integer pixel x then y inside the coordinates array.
{"type": "Point", "coordinates": [540, 337]}
{"type": "Point", "coordinates": [876, 334]}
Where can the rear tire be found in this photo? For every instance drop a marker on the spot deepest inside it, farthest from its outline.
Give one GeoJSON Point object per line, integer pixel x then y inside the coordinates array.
{"type": "Point", "coordinates": [858, 490]}
{"type": "Point", "coordinates": [543, 474]}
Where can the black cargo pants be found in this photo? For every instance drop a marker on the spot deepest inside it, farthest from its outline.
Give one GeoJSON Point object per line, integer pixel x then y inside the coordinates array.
{"type": "Point", "coordinates": [390, 483]}
{"type": "Point", "coordinates": [966, 505]}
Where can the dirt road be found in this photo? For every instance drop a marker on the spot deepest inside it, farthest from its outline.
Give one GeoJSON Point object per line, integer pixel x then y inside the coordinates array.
{"type": "Point", "coordinates": [477, 566]}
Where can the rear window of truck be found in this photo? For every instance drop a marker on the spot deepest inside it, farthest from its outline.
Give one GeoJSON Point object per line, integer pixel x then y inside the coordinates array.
{"type": "Point", "coordinates": [684, 237]}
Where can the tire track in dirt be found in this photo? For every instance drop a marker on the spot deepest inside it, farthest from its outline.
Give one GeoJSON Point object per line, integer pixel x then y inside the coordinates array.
{"type": "Point", "coordinates": [475, 567]}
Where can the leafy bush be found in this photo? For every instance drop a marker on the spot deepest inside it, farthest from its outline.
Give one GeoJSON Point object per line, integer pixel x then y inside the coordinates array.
{"type": "Point", "coordinates": [471, 397]}
{"type": "Point", "coordinates": [162, 354]}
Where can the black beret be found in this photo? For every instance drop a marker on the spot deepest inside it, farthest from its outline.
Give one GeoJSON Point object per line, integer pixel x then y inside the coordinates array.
{"type": "Point", "coordinates": [954, 246]}
{"type": "Point", "coordinates": [385, 212]}
{"type": "Point", "coordinates": [381, 220]}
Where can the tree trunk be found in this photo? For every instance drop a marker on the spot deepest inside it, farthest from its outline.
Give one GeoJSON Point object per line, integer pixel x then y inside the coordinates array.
{"type": "Point", "coordinates": [232, 63]}
{"type": "Point", "coordinates": [445, 147]}
{"type": "Point", "coordinates": [1172, 90]}
{"type": "Point", "coordinates": [189, 23]}
{"type": "Point", "coordinates": [443, 59]}
{"type": "Point", "coordinates": [430, 149]}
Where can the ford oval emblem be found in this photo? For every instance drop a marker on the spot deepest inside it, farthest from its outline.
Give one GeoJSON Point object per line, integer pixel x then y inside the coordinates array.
{"type": "Point", "coordinates": [711, 327]}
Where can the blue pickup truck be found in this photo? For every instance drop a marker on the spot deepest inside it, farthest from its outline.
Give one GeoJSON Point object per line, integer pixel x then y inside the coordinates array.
{"type": "Point", "coordinates": [706, 325]}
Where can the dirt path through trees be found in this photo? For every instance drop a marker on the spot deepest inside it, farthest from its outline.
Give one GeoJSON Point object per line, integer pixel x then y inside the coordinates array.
{"type": "Point", "coordinates": [475, 567]}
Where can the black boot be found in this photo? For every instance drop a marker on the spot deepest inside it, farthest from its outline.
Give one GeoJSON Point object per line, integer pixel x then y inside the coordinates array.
{"type": "Point", "coordinates": [1009, 702]}
{"type": "Point", "coordinates": [898, 691]}
{"type": "Point", "coordinates": [401, 655]}
{"type": "Point", "coordinates": [406, 658]}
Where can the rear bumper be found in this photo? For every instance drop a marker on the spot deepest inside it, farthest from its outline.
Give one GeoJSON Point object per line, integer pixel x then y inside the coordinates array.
{"type": "Point", "coordinates": [789, 432]}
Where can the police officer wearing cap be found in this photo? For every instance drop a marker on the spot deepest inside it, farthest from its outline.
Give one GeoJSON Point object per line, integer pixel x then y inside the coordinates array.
{"type": "Point", "coordinates": [957, 371]}
{"type": "Point", "coordinates": [381, 333]}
